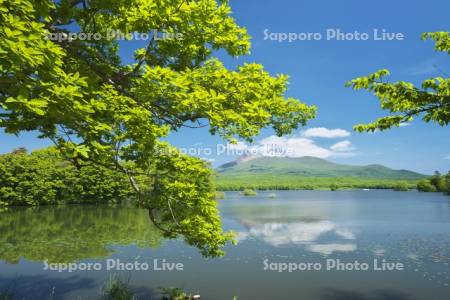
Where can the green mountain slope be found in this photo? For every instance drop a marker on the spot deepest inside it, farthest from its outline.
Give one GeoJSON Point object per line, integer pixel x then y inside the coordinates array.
{"type": "Point", "coordinates": [309, 167]}
{"type": "Point", "coordinates": [270, 173]}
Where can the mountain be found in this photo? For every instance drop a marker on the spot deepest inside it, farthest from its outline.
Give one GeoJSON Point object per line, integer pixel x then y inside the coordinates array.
{"type": "Point", "coordinates": [309, 167]}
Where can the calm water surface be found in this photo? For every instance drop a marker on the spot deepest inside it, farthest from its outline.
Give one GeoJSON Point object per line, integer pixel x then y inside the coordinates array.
{"type": "Point", "coordinates": [410, 228]}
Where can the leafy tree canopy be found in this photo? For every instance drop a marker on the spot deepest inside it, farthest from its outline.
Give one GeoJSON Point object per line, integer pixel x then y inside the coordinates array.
{"type": "Point", "coordinates": [436, 183]}
{"type": "Point", "coordinates": [406, 101]}
{"type": "Point", "coordinates": [97, 108]}
{"type": "Point", "coordinates": [44, 177]}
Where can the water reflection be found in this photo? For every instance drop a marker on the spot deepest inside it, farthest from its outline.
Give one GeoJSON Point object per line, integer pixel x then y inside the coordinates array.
{"type": "Point", "coordinates": [327, 249]}
{"type": "Point", "coordinates": [303, 233]}
{"type": "Point", "coordinates": [71, 233]}
{"type": "Point", "coordinates": [301, 224]}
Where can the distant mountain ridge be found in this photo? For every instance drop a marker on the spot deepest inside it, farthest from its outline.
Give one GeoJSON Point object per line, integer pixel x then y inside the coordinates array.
{"type": "Point", "coordinates": [308, 166]}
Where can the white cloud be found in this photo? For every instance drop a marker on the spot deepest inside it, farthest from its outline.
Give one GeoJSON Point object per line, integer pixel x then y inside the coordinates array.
{"type": "Point", "coordinates": [343, 146]}
{"type": "Point", "coordinates": [323, 132]}
{"type": "Point", "coordinates": [294, 146]}
{"type": "Point", "coordinates": [291, 147]}
{"type": "Point", "coordinates": [404, 124]}
{"type": "Point", "coordinates": [275, 146]}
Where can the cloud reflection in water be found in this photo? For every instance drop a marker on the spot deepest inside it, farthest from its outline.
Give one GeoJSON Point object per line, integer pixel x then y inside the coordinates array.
{"type": "Point", "coordinates": [302, 233]}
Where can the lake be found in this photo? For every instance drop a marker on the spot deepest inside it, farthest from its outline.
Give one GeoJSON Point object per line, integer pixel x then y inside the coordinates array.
{"type": "Point", "coordinates": [298, 245]}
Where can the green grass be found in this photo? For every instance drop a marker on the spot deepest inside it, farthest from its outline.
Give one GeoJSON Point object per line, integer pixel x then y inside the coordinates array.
{"type": "Point", "coordinates": [220, 195]}
{"type": "Point", "coordinates": [401, 187]}
{"type": "Point", "coordinates": [173, 293]}
{"type": "Point", "coordinates": [248, 192]}
{"type": "Point", "coordinates": [117, 289]}
{"type": "Point", "coordinates": [293, 182]}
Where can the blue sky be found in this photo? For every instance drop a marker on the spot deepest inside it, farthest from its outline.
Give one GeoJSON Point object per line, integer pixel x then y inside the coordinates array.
{"type": "Point", "coordinates": [319, 69]}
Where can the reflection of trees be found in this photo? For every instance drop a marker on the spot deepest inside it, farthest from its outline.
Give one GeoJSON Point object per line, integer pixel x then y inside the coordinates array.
{"type": "Point", "coordinates": [71, 233]}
